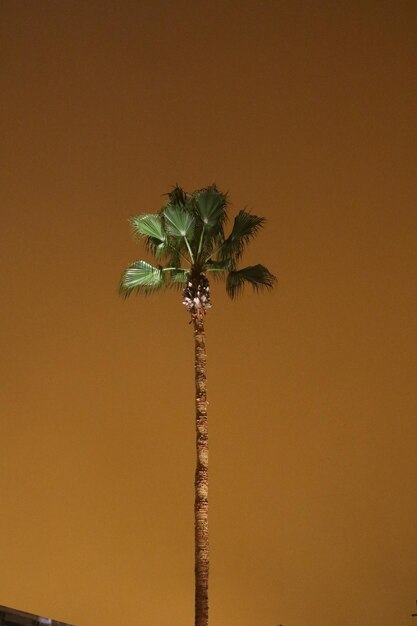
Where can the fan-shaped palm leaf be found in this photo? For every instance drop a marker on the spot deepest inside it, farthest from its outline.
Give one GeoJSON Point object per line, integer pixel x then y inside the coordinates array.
{"type": "Point", "coordinates": [257, 275]}
{"type": "Point", "coordinates": [179, 223]}
{"type": "Point", "coordinates": [142, 278]}
{"type": "Point", "coordinates": [245, 227]}
{"type": "Point", "coordinates": [211, 207]}
{"type": "Point", "coordinates": [148, 225]}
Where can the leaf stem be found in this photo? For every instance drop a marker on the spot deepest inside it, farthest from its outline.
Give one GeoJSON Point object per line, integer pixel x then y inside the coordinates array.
{"type": "Point", "coordinates": [201, 240]}
{"type": "Point", "coordinates": [189, 249]}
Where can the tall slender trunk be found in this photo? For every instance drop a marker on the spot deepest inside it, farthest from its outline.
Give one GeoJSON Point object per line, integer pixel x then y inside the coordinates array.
{"type": "Point", "coordinates": [201, 477]}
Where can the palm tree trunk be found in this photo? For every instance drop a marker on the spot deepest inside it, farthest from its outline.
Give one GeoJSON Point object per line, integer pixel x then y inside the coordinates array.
{"type": "Point", "coordinates": [201, 477]}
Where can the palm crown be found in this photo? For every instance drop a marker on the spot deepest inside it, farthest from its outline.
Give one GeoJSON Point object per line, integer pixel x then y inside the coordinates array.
{"type": "Point", "coordinates": [188, 242]}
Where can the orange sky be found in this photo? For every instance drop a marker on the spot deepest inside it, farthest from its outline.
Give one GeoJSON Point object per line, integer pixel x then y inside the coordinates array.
{"type": "Point", "coordinates": [306, 113]}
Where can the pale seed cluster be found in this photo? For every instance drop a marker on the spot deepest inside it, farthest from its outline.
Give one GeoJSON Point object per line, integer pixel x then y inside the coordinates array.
{"type": "Point", "coordinates": [196, 298]}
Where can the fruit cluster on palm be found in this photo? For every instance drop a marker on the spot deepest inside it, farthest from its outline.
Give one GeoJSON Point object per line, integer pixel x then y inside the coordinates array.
{"type": "Point", "coordinates": [187, 239]}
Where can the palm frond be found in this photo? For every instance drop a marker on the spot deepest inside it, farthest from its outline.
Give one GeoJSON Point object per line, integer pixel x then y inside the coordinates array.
{"type": "Point", "coordinates": [256, 275]}
{"type": "Point", "coordinates": [177, 196]}
{"type": "Point", "coordinates": [245, 227]}
{"type": "Point", "coordinates": [179, 223]}
{"type": "Point", "coordinates": [211, 207]}
{"type": "Point", "coordinates": [151, 227]}
{"type": "Point", "coordinates": [141, 277]}
{"type": "Point", "coordinates": [148, 225]}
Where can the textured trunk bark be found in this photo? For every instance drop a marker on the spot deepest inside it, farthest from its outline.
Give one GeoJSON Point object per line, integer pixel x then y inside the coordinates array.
{"type": "Point", "coordinates": [201, 477]}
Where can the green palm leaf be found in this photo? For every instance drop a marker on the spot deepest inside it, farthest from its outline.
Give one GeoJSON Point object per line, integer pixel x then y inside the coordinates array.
{"type": "Point", "coordinates": [257, 275]}
{"type": "Point", "coordinates": [151, 227]}
{"type": "Point", "coordinates": [179, 223]}
{"type": "Point", "coordinates": [142, 278]}
{"type": "Point", "coordinates": [211, 207]}
{"type": "Point", "coordinates": [245, 227]}
{"type": "Point", "coordinates": [148, 225]}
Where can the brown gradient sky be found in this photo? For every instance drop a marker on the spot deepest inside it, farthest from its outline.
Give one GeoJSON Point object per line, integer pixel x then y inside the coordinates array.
{"type": "Point", "coordinates": [306, 112]}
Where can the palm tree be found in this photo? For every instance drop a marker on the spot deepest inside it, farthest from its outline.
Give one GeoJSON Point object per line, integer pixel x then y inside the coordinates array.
{"type": "Point", "coordinates": [188, 242]}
